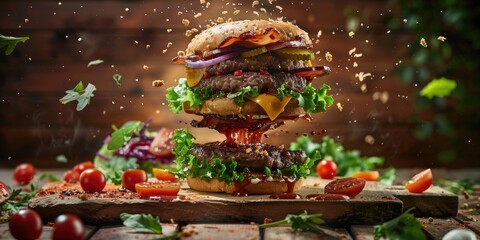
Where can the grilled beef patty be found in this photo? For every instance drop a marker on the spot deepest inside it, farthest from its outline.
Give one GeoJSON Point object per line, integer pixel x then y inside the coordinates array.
{"type": "Point", "coordinates": [266, 62]}
{"type": "Point", "coordinates": [252, 156]}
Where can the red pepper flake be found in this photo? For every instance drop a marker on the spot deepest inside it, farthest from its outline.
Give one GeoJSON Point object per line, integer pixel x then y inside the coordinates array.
{"type": "Point", "coordinates": [238, 73]}
{"type": "Point", "coordinates": [206, 74]}
{"type": "Point", "coordinates": [218, 73]}
{"type": "Point", "coordinates": [267, 220]}
{"type": "Point", "coordinates": [263, 72]}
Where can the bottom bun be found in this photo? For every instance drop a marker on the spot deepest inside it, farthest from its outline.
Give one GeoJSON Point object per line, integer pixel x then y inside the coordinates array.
{"type": "Point", "coordinates": [267, 187]}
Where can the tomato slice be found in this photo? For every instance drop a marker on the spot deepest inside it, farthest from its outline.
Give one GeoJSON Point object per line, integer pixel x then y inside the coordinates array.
{"type": "Point", "coordinates": [162, 144]}
{"type": "Point", "coordinates": [347, 186]}
{"type": "Point", "coordinates": [420, 182]}
{"type": "Point", "coordinates": [163, 175]}
{"type": "Point", "coordinates": [311, 72]}
{"type": "Point", "coordinates": [4, 192]}
{"type": "Point", "coordinates": [367, 175]}
{"type": "Point", "coordinates": [160, 188]}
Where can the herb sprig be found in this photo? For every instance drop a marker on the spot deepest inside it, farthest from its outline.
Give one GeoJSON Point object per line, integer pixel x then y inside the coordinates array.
{"type": "Point", "coordinates": [80, 94]}
{"type": "Point", "coordinates": [404, 226]}
{"type": "Point", "coordinates": [11, 42]}
{"type": "Point", "coordinates": [301, 222]}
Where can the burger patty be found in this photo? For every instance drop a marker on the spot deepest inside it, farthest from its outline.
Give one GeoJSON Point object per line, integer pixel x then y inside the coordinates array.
{"type": "Point", "coordinates": [263, 61]}
{"type": "Point", "coordinates": [251, 156]}
{"type": "Point", "coordinates": [266, 83]}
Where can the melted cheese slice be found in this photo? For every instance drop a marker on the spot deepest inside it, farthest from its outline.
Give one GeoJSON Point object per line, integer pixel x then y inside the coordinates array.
{"type": "Point", "coordinates": [271, 104]}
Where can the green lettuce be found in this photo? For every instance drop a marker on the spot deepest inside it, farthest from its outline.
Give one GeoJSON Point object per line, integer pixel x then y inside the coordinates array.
{"type": "Point", "coordinates": [312, 100]}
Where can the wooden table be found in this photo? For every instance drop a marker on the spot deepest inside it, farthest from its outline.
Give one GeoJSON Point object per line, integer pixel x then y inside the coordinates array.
{"type": "Point", "coordinates": [435, 228]}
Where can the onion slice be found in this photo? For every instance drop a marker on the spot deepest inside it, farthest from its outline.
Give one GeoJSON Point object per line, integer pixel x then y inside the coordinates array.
{"type": "Point", "coordinates": [213, 61]}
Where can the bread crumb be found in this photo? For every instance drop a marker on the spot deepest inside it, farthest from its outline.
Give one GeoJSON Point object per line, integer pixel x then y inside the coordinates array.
{"type": "Point", "coordinates": [197, 15]}
{"type": "Point", "coordinates": [224, 12]}
{"type": "Point", "coordinates": [256, 13]}
{"type": "Point", "coordinates": [255, 3]}
{"type": "Point", "coordinates": [220, 20]}
{"type": "Point", "coordinates": [328, 57]}
{"type": "Point", "coordinates": [442, 38]}
{"type": "Point", "coordinates": [339, 106]}
{"type": "Point", "coordinates": [185, 22]}
{"type": "Point", "coordinates": [181, 53]}
{"type": "Point", "coordinates": [369, 139]}
{"type": "Point", "coordinates": [279, 8]}
{"type": "Point", "coordinates": [363, 88]}
{"type": "Point", "coordinates": [351, 34]}
{"type": "Point", "coordinates": [188, 33]}
{"type": "Point", "coordinates": [202, 1]}
{"type": "Point", "coordinates": [169, 29]}
{"type": "Point", "coordinates": [319, 33]}
{"type": "Point", "coordinates": [145, 67]}
{"type": "Point", "coordinates": [169, 44]}
{"type": "Point", "coordinates": [179, 13]}
{"type": "Point", "coordinates": [361, 76]}
{"type": "Point", "coordinates": [207, 5]}
{"type": "Point", "coordinates": [236, 12]}
{"type": "Point", "coordinates": [248, 150]}
{"type": "Point", "coordinates": [352, 51]}
{"type": "Point", "coordinates": [423, 43]}
{"type": "Point", "coordinates": [355, 64]}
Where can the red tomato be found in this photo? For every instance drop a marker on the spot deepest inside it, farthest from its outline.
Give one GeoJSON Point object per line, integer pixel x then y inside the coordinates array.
{"type": "Point", "coordinates": [133, 176]}
{"type": "Point", "coordinates": [71, 176]}
{"type": "Point", "coordinates": [420, 182]}
{"type": "Point", "coordinates": [347, 186]}
{"type": "Point", "coordinates": [25, 224]}
{"type": "Point", "coordinates": [162, 144]}
{"type": "Point", "coordinates": [164, 175]}
{"type": "Point", "coordinates": [326, 169]}
{"type": "Point", "coordinates": [68, 226]}
{"type": "Point", "coordinates": [367, 175]}
{"type": "Point", "coordinates": [150, 189]}
{"type": "Point", "coordinates": [4, 192]}
{"type": "Point", "coordinates": [92, 180]}
{"type": "Point", "coordinates": [24, 173]}
{"type": "Point", "coordinates": [83, 166]}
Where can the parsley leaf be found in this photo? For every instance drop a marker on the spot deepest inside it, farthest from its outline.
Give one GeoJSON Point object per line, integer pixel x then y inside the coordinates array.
{"type": "Point", "coordinates": [118, 79]}
{"type": "Point", "coordinates": [441, 87]}
{"type": "Point", "coordinates": [80, 94]}
{"type": "Point", "coordinates": [404, 226]}
{"type": "Point", "coordinates": [142, 223]}
{"type": "Point", "coordinates": [388, 176]}
{"type": "Point", "coordinates": [123, 134]}
{"type": "Point", "coordinates": [302, 222]}
{"type": "Point", "coordinates": [11, 42]}
{"type": "Point", "coordinates": [458, 186]}
{"type": "Point", "coordinates": [94, 62]}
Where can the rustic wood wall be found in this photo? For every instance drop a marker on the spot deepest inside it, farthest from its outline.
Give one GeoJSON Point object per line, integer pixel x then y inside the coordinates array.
{"type": "Point", "coordinates": [132, 38]}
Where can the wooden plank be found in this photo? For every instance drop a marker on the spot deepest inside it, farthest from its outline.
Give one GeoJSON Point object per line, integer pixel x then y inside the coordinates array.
{"type": "Point", "coordinates": [220, 231]}
{"type": "Point", "coordinates": [436, 228]}
{"type": "Point", "coordinates": [46, 234]}
{"type": "Point", "coordinates": [434, 202]}
{"type": "Point", "coordinates": [192, 206]}
{"type": "Point", "coordinates": [285, 233]}
{"type": "Point", "coordinates": [125, 233]}
{"type": "Point", "coordinates": [362, 232]}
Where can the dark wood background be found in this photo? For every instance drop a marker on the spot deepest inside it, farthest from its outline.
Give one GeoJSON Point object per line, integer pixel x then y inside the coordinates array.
{"type": "Point", "coordinates": [35, 127]}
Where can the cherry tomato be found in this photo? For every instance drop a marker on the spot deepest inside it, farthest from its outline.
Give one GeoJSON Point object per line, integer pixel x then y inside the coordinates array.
{"type": "Point", "coordinates": [150, 189]}
{"type": "Point", "coordinates": [133, 176]}
{"type": "Point", "coordinates": [71, 176]}
{"type": "Point", "coordinates": [164, 175]}
{"type": "Point", "coordinates": [347, 186]}
{"type": "Point", "coordinates": [92, 180]}
{"type": "Point", "coordinates": [83, 166]}
{"type": "Point", "coordinates": [25, 224]}
{"type": "Point", "coordinates": [162, 144]}
{"type": "Point", "coordinates": [68, 226]}
{"type": "Point", "coordinates": [367, 175]}
{"type": "Point", "coordinates": [4, 192]}
{"type": "Point", "coordinates": [326, 169]}
{"type": "Point", "coordinates": [420, 182]}
{"type": "Point", "coordinates": [24, 173]}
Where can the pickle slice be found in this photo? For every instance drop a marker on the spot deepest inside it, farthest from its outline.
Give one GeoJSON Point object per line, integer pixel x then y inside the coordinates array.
{"type": "Point", "coordinates": [253, 52]}
{"type": "Point", "coordinates": [194, 75]}
{"type": "Point", "coordinates": [295, 53]}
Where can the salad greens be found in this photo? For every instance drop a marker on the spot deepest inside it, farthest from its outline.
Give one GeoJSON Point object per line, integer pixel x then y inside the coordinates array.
{"type": "Point", "coordinates": [301, 222]}
{"type": "Point", "coordinates": [11, 42]}
{"type": "Point", "coordinates": [118, 79]}
{"type": "Point", "coordinates": [312, 100]}
{"type": "Point", "coordinates": [403, 227]}
{"type": "Point", "coordinates": [142, 223]}
{"type": "Point", "coordinates": [458, 186]}
{"type": "Point", "coordinates": [80, 94]}
{"type": "Point", "coordinates": [123, 134]}
{"type": "Point", "coordinates": [440, 87]}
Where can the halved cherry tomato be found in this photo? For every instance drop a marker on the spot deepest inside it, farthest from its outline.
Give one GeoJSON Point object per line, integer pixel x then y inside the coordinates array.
{"type": "Point", "coordinates": [420, 182]}
{"type": "Point", "coordinates": [68, 226]}
{"type": "Point", "coordinates": [92, 180]}
{"type": "Point", "coordinates": [162, 144]}
{"type": "Point", "coordinates": [71, 176]}
{"type": "Point", "coordinates": [83, 166]}
{"type": "Point", "coordinates": [24, 173]}
{"type": "Point", "coordinates": [367, 175]}
{"type": "Point", "coordinates": [347, 186]}
{"type": "Point", "coordinates": [4, 192]}
{"type": "Point", "coordinates": [161, 188]}
{"type": "Point", "coordinates": [25, 224]}
{"type": "Point", "coordinates": [326, 169]}
{"type": "Point", "coordinates": [133, 176]}
{"type": "Point", "coordinates": [164, 175]}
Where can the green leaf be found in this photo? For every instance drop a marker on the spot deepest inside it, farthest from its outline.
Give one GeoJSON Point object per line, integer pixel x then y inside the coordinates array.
{"type": "Point", "coordinates": [441, 87]}
{"type": "Point", "coordinates": [142, 223]}
{"type": "Point", "coordinates": [388, 176]}
{"type": "Point", "coordinates": [458, 186]}
{"type": "Point", "coordinates": [118, 79]}
{"type": "Point", "coordinates": [301, 222]}
{"type": "Point", "coordinates": [62, 158]}
{"type": "Point", "coordinates": [11, 42]}
{"type": "Point", "coordinates": [123, 134]}
{"type": "Point", "coordinates": [79, 94]}
{"type": "Point", "coordinates": [404, 226]}
{"type": "Point", "coordinates": [94, 62]}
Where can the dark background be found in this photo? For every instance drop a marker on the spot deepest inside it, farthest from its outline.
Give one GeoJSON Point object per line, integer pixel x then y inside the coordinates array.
{"type": "Point", "coordinates": [35, 127]}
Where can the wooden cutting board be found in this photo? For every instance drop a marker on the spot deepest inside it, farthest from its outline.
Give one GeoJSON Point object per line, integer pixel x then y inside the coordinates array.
{"type": "Point", "coordinates": [376, 204]}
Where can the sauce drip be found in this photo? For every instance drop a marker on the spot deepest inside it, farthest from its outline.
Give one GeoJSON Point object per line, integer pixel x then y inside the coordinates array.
{"type": "Point", "coordinates": [285, 196]}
